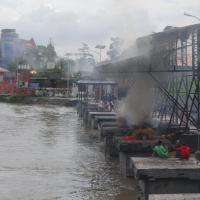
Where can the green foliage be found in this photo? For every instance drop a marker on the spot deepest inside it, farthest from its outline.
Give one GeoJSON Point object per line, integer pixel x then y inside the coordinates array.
{"type": "Point", "coordinates": [86, 58]}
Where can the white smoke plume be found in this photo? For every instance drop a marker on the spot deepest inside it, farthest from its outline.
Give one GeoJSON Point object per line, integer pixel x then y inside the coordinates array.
{"type": "Point", "coordinates": [138, 105]}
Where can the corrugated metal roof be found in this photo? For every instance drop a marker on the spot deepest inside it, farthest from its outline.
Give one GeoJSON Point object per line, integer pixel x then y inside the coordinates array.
{"type": "Point", "coordinates": [92, 82]}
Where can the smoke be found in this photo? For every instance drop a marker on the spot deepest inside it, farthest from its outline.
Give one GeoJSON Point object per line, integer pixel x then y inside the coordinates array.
{"type": "Point", "coordinates": [128, 20]}
{"type": "Point", "coordinates": [129, 24]}
{"type": "Point", "coordinates": [138, 105]}
{"type": "Point", "coordinates": [85, 68]}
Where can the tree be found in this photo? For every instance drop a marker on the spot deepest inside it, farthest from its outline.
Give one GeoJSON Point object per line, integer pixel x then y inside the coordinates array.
{"type": "Point", "coordinates": [65, 65]}
{"type": "Point", "coordinates": [86, 60]}
{"type": "Point", "coordinates": [115, 48]}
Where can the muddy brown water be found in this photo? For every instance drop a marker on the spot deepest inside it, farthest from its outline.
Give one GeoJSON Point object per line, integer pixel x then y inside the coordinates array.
{"type": "Point", "coordinates": [46, 154]}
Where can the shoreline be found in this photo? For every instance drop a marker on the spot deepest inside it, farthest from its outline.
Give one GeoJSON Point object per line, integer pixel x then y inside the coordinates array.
{"type": "Point", "coordinates": [59, 101]}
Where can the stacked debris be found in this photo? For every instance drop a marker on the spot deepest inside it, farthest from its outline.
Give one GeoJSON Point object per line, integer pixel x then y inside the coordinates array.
{"type": "Point", "coordinates": [144, 133]}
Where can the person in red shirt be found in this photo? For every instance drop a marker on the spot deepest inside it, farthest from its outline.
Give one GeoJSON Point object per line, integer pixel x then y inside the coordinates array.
{"type": "Point", "coordinates": [183, 152]}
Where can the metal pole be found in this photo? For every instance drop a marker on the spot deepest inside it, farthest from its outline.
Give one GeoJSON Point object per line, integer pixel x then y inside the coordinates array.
{"type": "Point", "coordinates": [68, 77]}
{"type": "Point", "coordinates": [198, 76]}
{"type": "Point", "coordinates": [17, 84]}
{"type": "Point", "coordinates": [17, 77]}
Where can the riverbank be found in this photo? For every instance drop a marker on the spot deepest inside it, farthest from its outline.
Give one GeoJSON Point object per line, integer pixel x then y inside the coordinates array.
{"type": "Point", "coordinates": [59, 101]}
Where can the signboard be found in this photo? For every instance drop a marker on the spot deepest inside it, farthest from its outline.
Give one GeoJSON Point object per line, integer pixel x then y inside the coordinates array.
{"type": "Point", "coordinates": [50, 65]}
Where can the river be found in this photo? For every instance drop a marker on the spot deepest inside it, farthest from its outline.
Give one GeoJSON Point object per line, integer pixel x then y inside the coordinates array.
{"type": "Point", "coordinates": [46, 154]}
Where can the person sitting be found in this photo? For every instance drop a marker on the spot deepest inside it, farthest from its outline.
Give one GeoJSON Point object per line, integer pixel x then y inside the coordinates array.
{"type": "Point", "coordinates": [183, 152]}
{"type": "Point", "coordinates": [160, 150]}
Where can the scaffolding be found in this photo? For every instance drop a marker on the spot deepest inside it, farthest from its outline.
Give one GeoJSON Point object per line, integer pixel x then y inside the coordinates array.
{"type": "Point", "coordinates": [172, 59]}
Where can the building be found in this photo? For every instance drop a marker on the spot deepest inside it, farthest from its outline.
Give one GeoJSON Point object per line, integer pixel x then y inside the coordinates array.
{"type": "Point", "coordinates": [9, 43]}
{"type": "Point", "coordinates": [2, 74]}
{"type": "Point", "coordinates": [16, 51]}
{"type": "Point", "coordinates": [12, 47]}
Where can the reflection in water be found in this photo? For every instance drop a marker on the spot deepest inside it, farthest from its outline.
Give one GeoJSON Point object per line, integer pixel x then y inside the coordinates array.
{"type": "Point", "coordinates": [51, 120]}
{"type": "Point", "coordinates": [46, 155]}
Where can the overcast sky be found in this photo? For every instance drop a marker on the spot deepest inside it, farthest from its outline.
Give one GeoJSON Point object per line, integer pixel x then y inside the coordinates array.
{"type": "Point", "coordinates": [71, 22]}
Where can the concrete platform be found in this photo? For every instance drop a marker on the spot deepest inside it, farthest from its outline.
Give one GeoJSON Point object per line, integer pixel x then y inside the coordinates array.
{"type": "Point", "coordinates": [105, 118]}
{"type": "Point", "coordinates": [154, 167]}
{"type": "Point", "coordinates": [174, 197]}
{"type": "Point", "coordinates": [107, 124]}
{"type": "Point", "coordinates": [90, 108]}
{"type": "Point", "coordinates": [91, 116]}
{"type": "Point", "coordinates": [103, 132]}
{"type": "Point", "coordinates": [165, 176]}
{"type": "Point", "coordinates": [109, 130]}
{"type": "Point", "coordinates": [110, 148]}
{"type": "Point", "coordinates": [136, 148]}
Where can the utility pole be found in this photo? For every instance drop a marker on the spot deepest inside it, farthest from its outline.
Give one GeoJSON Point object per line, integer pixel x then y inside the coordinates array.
{"type": "Point", "coordinates": [17, 80]}
{"type": "Point", "coordinates": [68, 72]}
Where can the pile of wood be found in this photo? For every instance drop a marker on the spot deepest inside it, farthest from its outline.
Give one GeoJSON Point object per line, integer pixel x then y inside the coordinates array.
{"type": "Point", "coordinates": [144, 133]}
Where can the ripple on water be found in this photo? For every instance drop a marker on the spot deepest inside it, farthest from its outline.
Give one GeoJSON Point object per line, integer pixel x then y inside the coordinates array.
{"type": "Point", "coordinates": [46, 154]}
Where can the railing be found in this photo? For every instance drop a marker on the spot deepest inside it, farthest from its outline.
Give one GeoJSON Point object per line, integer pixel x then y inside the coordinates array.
{"type": "Point", "coordinates": [53, 92]}
{"type": "Point", "coordinates": [12, 90]}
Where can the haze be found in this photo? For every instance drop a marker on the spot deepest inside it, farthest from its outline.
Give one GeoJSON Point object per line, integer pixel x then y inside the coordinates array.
{"type": "Point", "coordinates": [69, 23]}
